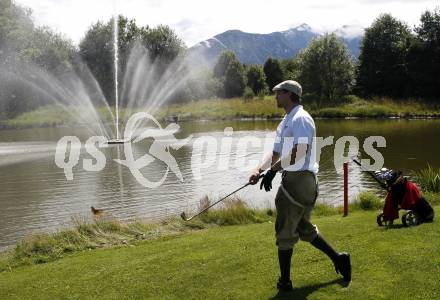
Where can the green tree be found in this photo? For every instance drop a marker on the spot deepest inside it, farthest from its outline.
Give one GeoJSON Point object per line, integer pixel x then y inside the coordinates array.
{"type": "Point", "coordinates": [256, 79]}
{"type": "Point", "coordinates": [15, 26]}
{"type": "Point", "coordinates": [97, 48]}
{"type": "Point", "coordinates": [291, 67]}
{"type": "Point", "coordinates": [382, 61]}
{"type": "Point", "coordinates": [424, 57]}
{"type": "Point", "coordinates": [162, 43]}
{"type": "Point", "coordinates": [273, 71]}
{"type": "Point", "coordinates": [326, 68]}
{"type": "Point", "coordinates": [21, 44]}
{"type": "Point", "coordinates": [223, 61]}
{"type": "Point", "coordinates": [49, 50]}
{"type": "Point", "coordinates": [21, 41]}
{"type": "Point", "coordinates": [429, 29]}
{"type": "Point", "coordinates": [230, 72]}
{"type": "Point", "coordinates": [235, 81]}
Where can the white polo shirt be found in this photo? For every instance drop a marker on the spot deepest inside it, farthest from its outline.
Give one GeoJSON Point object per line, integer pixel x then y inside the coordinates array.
{"type": "Point", "coordinates": [297, 127]}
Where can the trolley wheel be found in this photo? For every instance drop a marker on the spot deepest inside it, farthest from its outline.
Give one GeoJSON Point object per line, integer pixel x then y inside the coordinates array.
{"type": "Point", "coordinates": [380, 220]}
{"type": "Point", "coordinates": [410, 218]}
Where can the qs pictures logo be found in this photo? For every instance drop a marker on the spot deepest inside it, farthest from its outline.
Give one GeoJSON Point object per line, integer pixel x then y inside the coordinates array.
{"type": "Point", "coordinates": [221, 151]}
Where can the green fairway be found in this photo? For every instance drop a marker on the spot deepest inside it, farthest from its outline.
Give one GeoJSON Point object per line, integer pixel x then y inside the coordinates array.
{"type": "Point", "coordinates": [240, 262]}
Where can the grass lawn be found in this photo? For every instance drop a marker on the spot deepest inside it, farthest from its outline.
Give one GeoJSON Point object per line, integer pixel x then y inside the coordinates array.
{"type": "Point", "coordinates": [240, 262]}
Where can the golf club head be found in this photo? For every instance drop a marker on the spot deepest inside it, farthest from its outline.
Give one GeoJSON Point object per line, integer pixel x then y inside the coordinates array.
{"type": "Point", "coordinates": [183, 215]}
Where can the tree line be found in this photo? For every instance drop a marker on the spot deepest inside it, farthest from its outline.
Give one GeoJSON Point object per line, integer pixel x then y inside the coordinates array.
{"type": "Point", "coordinates": [394, 61]}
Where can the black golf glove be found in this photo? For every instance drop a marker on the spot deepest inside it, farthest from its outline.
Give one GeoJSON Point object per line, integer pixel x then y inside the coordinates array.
{"type": "Point", "coordinates": [267, 180]}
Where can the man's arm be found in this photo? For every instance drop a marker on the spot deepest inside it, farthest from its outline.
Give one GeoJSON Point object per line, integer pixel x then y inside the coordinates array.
{"type": "Point", "coordinates": [268, 161]}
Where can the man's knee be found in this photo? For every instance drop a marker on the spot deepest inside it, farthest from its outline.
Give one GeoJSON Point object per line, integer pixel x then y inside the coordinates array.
{"type": "Point", "coordinates": [286, 244]}
{"type": "Point", "coordinates": [308, 234]}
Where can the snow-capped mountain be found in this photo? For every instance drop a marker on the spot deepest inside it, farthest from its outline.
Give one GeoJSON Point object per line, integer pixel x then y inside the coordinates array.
{"type": "Point", "coordinates": [254, 48]}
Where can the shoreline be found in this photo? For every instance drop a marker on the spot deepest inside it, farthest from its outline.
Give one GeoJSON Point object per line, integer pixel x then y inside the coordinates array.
{"type": "Point", "coordinates": [185, 119]}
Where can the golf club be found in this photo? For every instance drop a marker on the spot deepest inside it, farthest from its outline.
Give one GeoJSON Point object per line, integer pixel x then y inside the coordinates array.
{"type": "Point", "coordinates": [183, 215]}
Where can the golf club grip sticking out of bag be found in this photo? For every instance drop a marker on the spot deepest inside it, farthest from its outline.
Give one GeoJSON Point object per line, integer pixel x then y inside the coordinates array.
{"type": "Point", "coordinates": [183, 215]}
{"type": "Point", "coordinates": [383, 185]}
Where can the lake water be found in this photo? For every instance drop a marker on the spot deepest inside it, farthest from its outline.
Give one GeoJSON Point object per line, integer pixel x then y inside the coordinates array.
{"type": "Point", "coordinates": [36, 197]}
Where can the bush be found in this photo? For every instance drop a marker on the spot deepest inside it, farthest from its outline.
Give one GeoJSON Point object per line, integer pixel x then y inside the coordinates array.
{"type": "Point", "coordinates": [352, 99]}
{"type": "Point", "coordinates": [368, 201]}
{"type": "Point", "coordinates": [248, 94]}
{"type": "Point", "coordinates": [262, 95]}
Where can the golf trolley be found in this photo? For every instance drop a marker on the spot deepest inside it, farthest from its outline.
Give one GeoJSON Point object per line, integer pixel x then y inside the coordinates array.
{"type": "Point", "coordinates": [409, 217]}
{"type": "Point", "coordinates": [413, 215]}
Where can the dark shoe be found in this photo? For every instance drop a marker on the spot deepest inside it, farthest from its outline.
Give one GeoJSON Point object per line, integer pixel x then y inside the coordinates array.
{"type": "Point", "coordinates": [284, 286]}
{"type": "Point", "coordinates": [343, 266]}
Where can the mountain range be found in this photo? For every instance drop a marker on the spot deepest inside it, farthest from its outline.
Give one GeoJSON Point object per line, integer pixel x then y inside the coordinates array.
{"type": "Point", "coordinates": [254, 48]}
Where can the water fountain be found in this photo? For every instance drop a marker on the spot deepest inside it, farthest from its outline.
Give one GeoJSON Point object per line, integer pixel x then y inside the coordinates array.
{"type": "Point", "coordinates": [145, 86]}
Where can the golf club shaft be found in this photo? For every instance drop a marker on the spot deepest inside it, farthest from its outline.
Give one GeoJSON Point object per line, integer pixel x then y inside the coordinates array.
{"type": "Point", "coordinates": [205, 209]}
{"type": "Point", "coordinates": [371, 173]}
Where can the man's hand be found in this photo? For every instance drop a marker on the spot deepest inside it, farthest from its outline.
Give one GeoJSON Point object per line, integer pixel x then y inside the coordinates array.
{"type": "Point", "coordinates": [267, 180]}
{"type": "Point", "coordinates": [255, 177]}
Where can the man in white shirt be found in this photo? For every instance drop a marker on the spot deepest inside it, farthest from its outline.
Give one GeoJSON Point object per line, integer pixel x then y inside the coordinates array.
{"type": "Point", "coordinates": [294, 154]}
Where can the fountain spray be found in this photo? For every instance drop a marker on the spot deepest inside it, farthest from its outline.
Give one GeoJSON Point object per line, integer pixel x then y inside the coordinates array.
{"type": "Point", "coordinates": [116, 51]}
{"type": "Point", "coordinates": [116, 62]}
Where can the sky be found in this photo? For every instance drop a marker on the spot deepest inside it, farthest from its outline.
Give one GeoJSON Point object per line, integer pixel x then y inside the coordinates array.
{"type": "Point", "coordinates": [198, 20]}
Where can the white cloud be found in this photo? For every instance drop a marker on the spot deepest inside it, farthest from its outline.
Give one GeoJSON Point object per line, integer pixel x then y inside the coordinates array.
{"type": "Point", "coordinates": [196, 20]}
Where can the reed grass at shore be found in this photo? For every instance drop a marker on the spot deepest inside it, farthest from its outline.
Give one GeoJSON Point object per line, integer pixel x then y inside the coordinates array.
{"type": "Point", "coordinates": [108, 232]}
